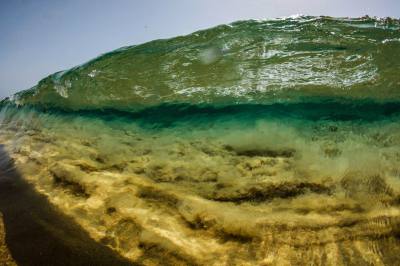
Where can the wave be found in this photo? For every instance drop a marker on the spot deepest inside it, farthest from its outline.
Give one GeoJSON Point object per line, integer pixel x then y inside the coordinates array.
{"type": "Point", "coordinates": [261, 62]}
{"type": "Point", "coordinates": [258, 142]}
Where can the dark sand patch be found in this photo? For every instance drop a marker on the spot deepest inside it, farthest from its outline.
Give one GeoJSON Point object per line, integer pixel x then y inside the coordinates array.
{"type": "Point", "coordinates": [37, 234]}
{"type": "Point", "coordinates": [5, 256]}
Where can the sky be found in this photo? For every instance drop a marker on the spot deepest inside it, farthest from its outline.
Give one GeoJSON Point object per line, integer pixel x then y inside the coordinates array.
{"type": "Point", "coordinates": [40, 37]}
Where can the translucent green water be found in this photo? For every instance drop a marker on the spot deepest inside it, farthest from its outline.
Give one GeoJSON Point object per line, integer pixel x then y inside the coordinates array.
{"type": "Point", "coordinates": [255, 143]}
{"type": "Point", "coordinates": [245, 62]}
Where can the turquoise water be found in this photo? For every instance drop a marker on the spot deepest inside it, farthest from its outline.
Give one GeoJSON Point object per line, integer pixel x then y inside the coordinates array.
{"type": "Point", "coordinates": [258, 142]}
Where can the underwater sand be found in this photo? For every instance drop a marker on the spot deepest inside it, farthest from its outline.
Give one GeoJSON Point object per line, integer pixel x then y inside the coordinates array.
{"type": "Point", "coordinates": [232, 189]}
{"type": "Point", "coordinates": [33, 232]}
{"type": "Point", "coordinates": [271, 142]}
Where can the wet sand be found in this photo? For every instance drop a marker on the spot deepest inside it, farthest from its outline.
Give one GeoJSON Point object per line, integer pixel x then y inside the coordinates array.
{"type": "Point", "coordinates": [37, 234]}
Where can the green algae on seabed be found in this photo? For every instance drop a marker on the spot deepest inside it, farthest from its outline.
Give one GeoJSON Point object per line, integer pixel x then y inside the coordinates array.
{"type": "Point", "coordinates": [259, 142]}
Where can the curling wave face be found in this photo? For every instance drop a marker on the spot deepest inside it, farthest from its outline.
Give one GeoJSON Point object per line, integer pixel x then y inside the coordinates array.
{"type": "Point", "coordinates": [243, 62]}
{"type": "Point", "coordinates": [260, 142]}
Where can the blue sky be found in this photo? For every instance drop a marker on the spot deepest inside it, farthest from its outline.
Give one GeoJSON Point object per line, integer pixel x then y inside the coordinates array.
{"type": "Point", "coordinates": [38, 38]}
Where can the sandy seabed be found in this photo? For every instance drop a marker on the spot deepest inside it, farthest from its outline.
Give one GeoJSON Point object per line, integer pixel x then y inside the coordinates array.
{"type": "Point", "coordinates": [220, 193]}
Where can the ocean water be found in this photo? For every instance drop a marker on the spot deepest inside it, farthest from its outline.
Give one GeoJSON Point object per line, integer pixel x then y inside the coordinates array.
{"type": "Point", "coordinates": [272, 142]}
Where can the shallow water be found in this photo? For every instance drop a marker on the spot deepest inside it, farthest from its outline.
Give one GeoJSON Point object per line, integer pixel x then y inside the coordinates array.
{"type": "Point", "coordinates": [214, 165]}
